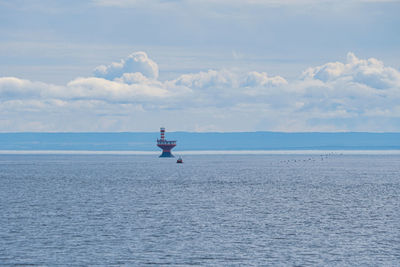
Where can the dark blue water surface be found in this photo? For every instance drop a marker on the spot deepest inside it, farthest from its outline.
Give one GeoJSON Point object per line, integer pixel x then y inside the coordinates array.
{"type": "Point", "coordinates": [134, 210]}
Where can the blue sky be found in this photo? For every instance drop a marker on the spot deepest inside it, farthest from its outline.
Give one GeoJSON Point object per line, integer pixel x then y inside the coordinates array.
{"type": "Point", "coordinates": [191, 65]}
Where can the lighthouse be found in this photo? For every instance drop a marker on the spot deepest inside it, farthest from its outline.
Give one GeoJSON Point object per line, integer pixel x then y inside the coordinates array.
{"type": "Point", "coordinates": [165, 145]}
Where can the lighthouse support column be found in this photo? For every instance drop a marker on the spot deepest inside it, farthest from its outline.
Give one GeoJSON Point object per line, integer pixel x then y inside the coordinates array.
{"type": "Point", "coordinates": [166, 154]}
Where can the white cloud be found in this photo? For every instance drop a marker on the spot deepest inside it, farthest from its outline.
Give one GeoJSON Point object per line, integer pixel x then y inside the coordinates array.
{"type": "Point", "coordinates": [210, 79]}
{"type": "Point", "coordinates": [135, 78]}
{"type": "Point", "coordinates": [98, 88]}
{"type": "Point", "coordinates": [333, 96]}
{"type": "Point", "coordinates": [228, 79]}
{"type": "Point", "coordinates": [136, 62]}
{"type": "Point", "coordinates": [257, 79]}
{"type": "Point", "coordinates": [370, 72]}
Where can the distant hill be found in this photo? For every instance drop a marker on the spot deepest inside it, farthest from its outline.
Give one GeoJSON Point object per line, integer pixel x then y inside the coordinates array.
{"type": "Point", "coordinates": [201, 141]}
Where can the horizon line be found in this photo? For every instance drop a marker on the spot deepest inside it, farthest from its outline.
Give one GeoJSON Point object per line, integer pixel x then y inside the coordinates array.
{"type": "Point", "coordinates": [283, 132]}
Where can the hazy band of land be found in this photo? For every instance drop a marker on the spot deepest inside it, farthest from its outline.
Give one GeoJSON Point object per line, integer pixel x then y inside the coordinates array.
{"type": "Point", "coordinates": [145, 142]}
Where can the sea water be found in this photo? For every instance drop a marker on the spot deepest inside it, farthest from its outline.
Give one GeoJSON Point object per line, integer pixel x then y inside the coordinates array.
{"type": "Point", "coordinates": [134, 210]}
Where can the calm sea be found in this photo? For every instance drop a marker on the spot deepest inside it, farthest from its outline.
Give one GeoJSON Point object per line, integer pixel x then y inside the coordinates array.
{"type": "Point", "coordinates": [134, 210]}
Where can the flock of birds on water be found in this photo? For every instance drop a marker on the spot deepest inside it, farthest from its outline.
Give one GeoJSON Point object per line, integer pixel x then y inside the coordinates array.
{"type": "Point", "coordinates": [312, 158]}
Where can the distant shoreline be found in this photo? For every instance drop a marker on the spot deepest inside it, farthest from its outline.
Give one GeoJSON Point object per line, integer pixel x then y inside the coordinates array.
{"type": "Point", "coordinates": [203, 152]}
{"type": "Point", "coordinates": [246, 141]}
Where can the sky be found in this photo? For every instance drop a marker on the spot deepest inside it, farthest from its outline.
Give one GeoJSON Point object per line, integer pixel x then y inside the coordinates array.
{"type": "Point", "coordinates": [199, 65]}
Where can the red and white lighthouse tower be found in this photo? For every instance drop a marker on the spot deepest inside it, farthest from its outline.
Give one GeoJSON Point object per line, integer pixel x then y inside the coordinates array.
{"type": "Point", "coordinates": [165, 145]}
